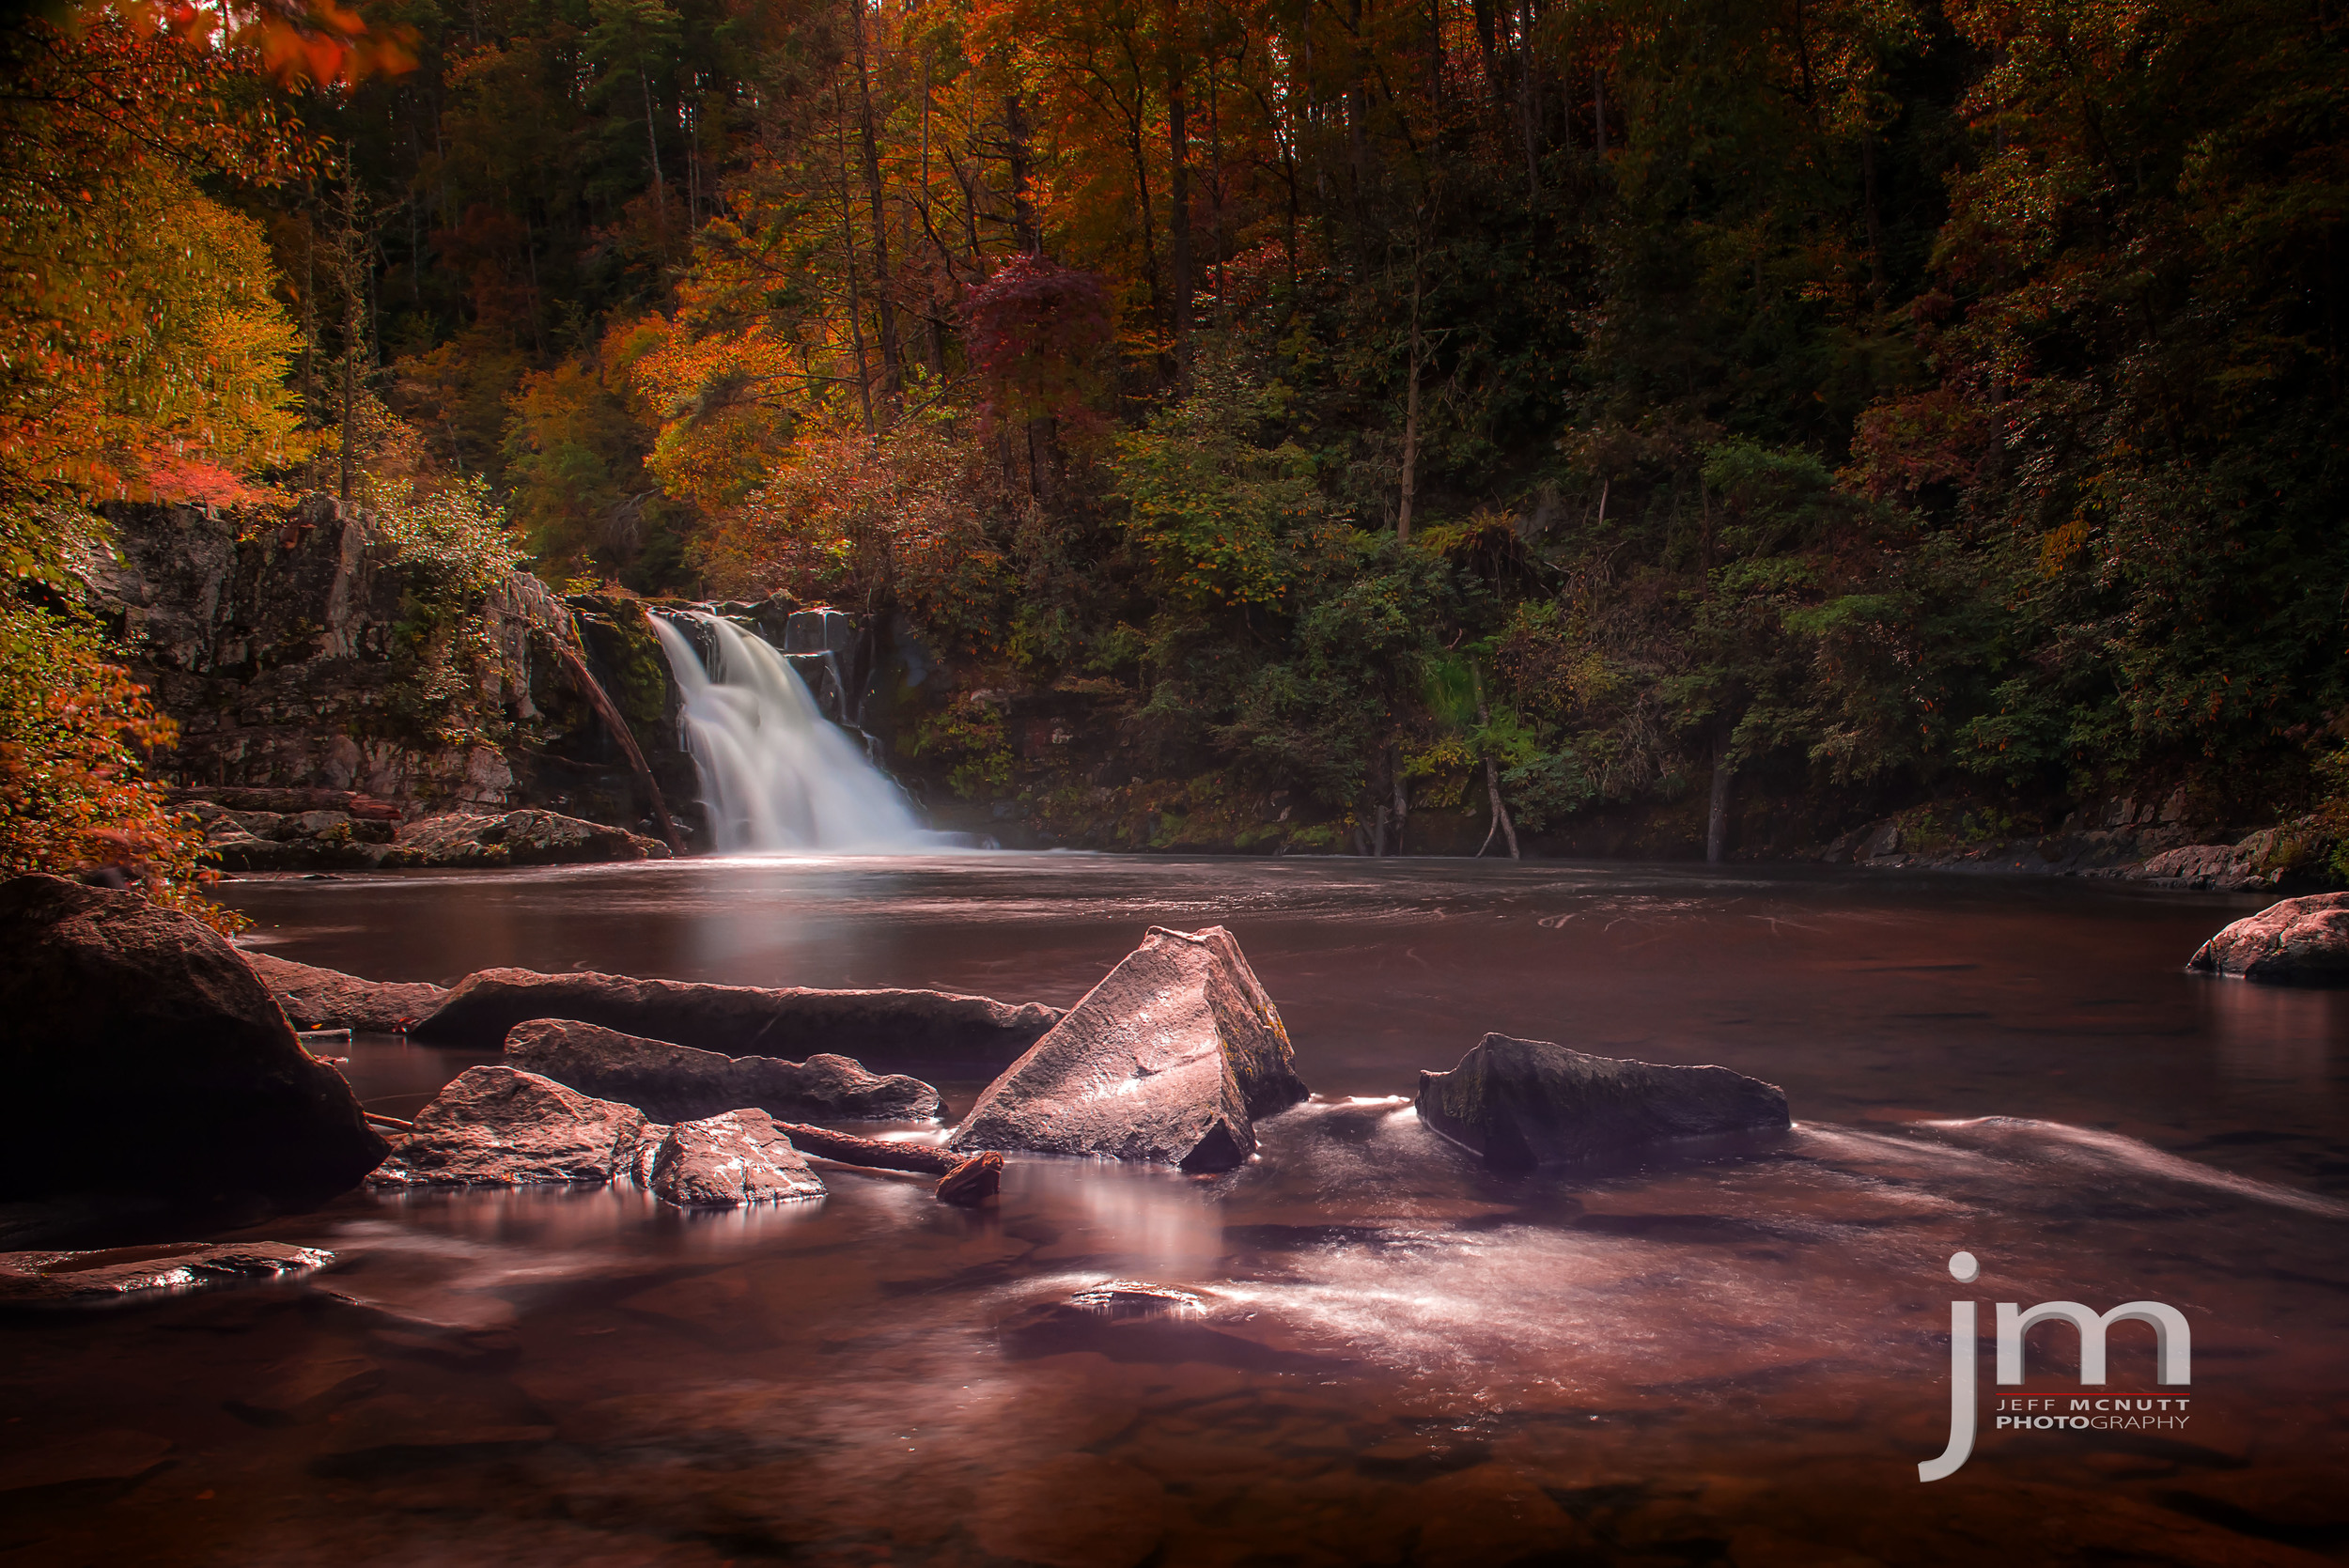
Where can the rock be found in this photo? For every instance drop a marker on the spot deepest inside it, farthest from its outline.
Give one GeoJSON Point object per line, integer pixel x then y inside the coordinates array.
{"type": "Point", "coordinates": [143, 1055]}
{"type": "Point", "coordinates": [328, 999]}
{"type": "Point", "coordinates": [497, 1127]}
{"type": "Point", "coordinates": [973, 1181]}
{"type": "Point", "coordinates": [2297, 940]}
{"type": "Point", "coordinates": [518, 838]}
{"type": "Point", "coordinates": [678, 1084]}
{"type": "Point", "coordinates": [354, 803]}
{"type": "Point", "coordinates": [1169, 1059]}
{"type": "Point", "coordinates": [83, 1279]}
{"type": "Point", "coordinates": [725, 1161]}
{"type": "Point", "coordinates": [1522, 1103]}
{"type": "Point", "coordinates": [929, 1027]}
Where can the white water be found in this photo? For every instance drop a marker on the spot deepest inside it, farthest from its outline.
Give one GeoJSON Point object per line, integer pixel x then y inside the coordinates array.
{"type": "Point", "coordinates": [775, 773]}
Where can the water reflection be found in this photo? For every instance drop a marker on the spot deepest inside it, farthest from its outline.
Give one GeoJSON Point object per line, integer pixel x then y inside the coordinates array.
{"type": "Point", "coordinates": [1394, 1353]}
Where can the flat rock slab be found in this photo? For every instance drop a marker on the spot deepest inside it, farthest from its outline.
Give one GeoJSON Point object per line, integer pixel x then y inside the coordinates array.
{"type": "Point", "coordinates": [936, 1028]}
{"type": "Point", "coordinates": [1170, 1059]}
{"type": "Point", "coordinates": [315, 998]}
{"type": "Point", "coordinates": [2304, 939]}
{"type": "Point", "coordinates": [1523, 1103]}
{"type": "Point", "coordinates": [89, 1279]}
{"type": "Point", "coordinates": [143, 1056]}
{"type": "Point", "coordinates": [680, 1083]}
{"type": "Point", "coordinates": [527, 837]}
{"type": "Point", "coordinates": [499, 1126]}
{"type": "Point", "coordinates": [726, 1161]}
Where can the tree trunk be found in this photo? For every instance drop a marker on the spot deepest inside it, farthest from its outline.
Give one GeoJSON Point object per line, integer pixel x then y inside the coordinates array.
{"type": "Point", "coordinates": [1411, 409]}
{"type": "Point", "coordinates": [1402, 799]}
{"type": "Point", "coordinates": [1492, 780]}
{"type": "Point", "coordinates": [1178, 205]}
{"type": "Point", "coordinates": [1716, 816]}
{"type": "Point", "coordinates": [1024, 232]}
{"type": "Point", "coordinates": [856, 302]}
{"type": "Point", "coordinates": [892, 368]}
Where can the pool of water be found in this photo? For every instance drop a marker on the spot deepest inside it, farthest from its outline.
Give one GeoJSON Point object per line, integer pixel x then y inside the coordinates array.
{"type": "Point", "coordinates": [1371, 1349]}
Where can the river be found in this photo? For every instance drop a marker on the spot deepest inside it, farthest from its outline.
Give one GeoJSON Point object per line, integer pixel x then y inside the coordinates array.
{"type": "Point", "coordinates": [1371, 1349]}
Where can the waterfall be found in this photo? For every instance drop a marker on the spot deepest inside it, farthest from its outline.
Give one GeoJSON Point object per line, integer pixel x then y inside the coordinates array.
{"type": "Point", "coordinates": [775, 773]}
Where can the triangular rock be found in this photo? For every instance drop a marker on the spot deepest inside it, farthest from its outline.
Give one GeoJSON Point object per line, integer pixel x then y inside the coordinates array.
{"type": "Point", "coordinates": [1171, 1058]}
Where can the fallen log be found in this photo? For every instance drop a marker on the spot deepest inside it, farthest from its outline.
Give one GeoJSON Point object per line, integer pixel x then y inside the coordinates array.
{"type": "Point", "coordinates": [964, 1180]}
{"type": "Point", "coordinates": [877, 1153]}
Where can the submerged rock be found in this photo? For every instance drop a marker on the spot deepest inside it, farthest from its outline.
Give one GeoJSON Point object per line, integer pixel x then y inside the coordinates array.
{"type": "Point", "coordinates": [144, 1056]}
{"type": "Point", "coordinates": [85, 1279]}
{"type": "Point", "coordinates": [925, 1027]}
{"type": "Point", "coordinates": [2300, 939]}
{"type": "Point", "coordinates": [1169, 1059]}
{"type": "Point", "coordinates": [1523, 1103]}
{"type": "Point", "coordinates": [497, 1127]}
{"type": "Point", "coordinates": [677, 1083]}
{"type": "Point", "coordinates": [726, 1161]}
{"type": "Point", "coordinates": [314, 997]}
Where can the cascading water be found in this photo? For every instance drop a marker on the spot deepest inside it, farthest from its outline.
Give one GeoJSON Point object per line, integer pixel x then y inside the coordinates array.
{"type": "Point", "coordinates": [775, 773]}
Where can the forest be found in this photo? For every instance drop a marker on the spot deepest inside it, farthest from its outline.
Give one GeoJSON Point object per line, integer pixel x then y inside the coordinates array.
{"type": "Point", "coordinates": [1528, 408]}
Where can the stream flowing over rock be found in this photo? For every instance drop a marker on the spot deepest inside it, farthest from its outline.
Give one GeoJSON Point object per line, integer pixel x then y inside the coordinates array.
{"type": "Point", "coordinates": [85, 1279]}
{"type": "Point", "coordinates": [680, 1083]}
{"type": "Point", "coordinates": [1523, 1103]}
{"type": "Point", "coordinates": [315, 998]}
{"type": "Point", "coordinates": [935, 1028]}
{"type": "Point", "coordinates": [143, 1055]}
{"type": "Point", "coordinates": [729, 1160]}
{"type": "Point", "coordinates": [497, 1127]}
{"type": "Point", "coordinates": [1169, 1059]}
{"type": "Point", "coordinates": [2298, 939]}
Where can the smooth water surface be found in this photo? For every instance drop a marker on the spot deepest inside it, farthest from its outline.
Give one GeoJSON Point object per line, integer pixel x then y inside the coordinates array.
{"type": "Point", "coordinates": [1390, 1354]}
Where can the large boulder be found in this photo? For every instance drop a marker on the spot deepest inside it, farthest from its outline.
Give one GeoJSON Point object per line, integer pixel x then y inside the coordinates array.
{"type": "Point", "coordinates": [1170, 1059]}
{"type": "Point", "coordinates": [929, 1028]}
{"type": "Point", "coordinates": [1523, 1103]}
{"type": "Point", "coordinates": [2298, 939]}
{"type": "Point", "coordinates": [143, 1055]}
{"type": "Point", "coordinates": [497, 1127]}
{"type": "Point", "coordinates": [725, 1161]}
{"type": "Point", "coordinates": [314, 997]}
{"type": "Point", "coordinates": [678, 1084]}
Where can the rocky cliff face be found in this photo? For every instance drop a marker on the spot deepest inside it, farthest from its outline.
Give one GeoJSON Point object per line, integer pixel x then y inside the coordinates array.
{"type": "Point", "coordinates": [296, 656]}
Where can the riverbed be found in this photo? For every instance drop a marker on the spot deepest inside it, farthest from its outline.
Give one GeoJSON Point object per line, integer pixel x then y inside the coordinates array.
{"type": "Point", "coordinates": [1361, 1347]}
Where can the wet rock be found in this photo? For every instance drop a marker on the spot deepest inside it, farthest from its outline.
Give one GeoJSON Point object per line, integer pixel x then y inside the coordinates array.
{"type": "Point", "coordinates": [87, 1279]}
{"type": "Point", "coordinates": [518, 838]}
{"type": "Point", "coordinates": [1169, 1059]}
{"type": "Point", "coordinates": [916, 1027]}
{"type": "Point", "coordinates": [1522, 1103]}
{"type": "Point", "coordinates": [144, 1056]}
{"type": "Point", "coordinates": [678, 1084]}
{"type": "Point", "coordinates": [973, 1181]}
{"type": "Point", "coordinates": [498, 1127]}
{"type": "Point", "coordinates": [725, 1161]}
{"type": "Point", "coordinates": [2297, 940]}
{"type": "Point", "coordinates": [316, 997]}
